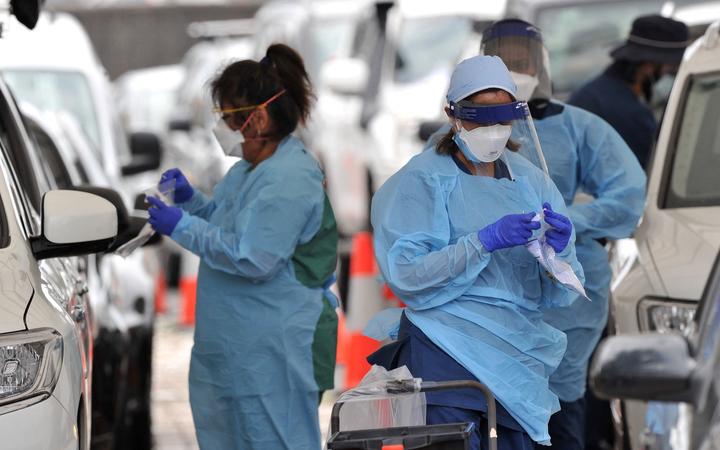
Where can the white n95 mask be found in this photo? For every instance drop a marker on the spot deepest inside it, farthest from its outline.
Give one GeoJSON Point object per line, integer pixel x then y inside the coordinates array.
{"type": "Point", "coordinates": [526, 85]}
{"type": "Point", "coordinates": [230, 141]}
{"type": "Point", "coordinates": [483, 144]}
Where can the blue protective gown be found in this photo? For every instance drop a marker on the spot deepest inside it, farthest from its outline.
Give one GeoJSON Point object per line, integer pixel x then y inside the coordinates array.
{"type": "Point", "coordinates": [483, 309]}
{"type": "Point", "coordinates": [251, 370]}
{"type": "Point", "coordinates": [584, 153]}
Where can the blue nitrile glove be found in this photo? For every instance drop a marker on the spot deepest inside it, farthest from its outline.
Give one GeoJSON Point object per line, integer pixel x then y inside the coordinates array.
{"type": "Point", "coordinates": [559, 235]}
{"type": "Point", "coordinates": [163, 218]}
{"type": "Point", "coordinates": [183, 190]}
{"type": "Point", "coordinates": [509, 231]}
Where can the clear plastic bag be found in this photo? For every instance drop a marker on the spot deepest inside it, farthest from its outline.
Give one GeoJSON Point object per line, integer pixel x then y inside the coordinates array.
{"type": "Point", "coordinates": [373, 404]}
{"type": "Point", "coordinates": [165, 192]}
{"type": "Point", "coordinates": [557, 267]}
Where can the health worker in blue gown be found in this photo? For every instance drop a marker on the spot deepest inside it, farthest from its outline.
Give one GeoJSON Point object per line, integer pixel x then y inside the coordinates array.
{"type": "Point", "coordinates": [450, 235]}
{"type": "Point", "coordinates": [584, 154]}
{"type": "Point", "coordinates": [267, 242]}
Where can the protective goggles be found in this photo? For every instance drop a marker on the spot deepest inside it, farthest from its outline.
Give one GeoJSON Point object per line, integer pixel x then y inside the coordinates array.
{"type": "Point", "coordinates": [248, 108]}
{"type": "Point", "coordinates": [488, 114]}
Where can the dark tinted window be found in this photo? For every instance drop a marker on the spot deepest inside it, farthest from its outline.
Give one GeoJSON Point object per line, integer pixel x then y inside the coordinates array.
{"type": "Point", "coordinates": [693, 179]}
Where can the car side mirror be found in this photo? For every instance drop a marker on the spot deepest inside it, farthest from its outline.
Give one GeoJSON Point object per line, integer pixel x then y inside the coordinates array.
{"type": "Point", "coordinates": [427, 129]}
{"type": "Point", "coordinates": [146, 153]}
{"type": "Point", "coordinates": [27, 12]}
{"type": "Point", "coordinates": [75, 223]}
{"type": "Point", "coordinates": [345, 76]}
{"type": "Point", "coordinates": [180, 124]}
{"type": "Point", "coordinates": [652, 366]}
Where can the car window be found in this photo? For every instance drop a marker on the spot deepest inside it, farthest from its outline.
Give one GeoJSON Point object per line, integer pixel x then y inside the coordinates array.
{"type": "Point", "coordinates": [59, 91]}
{"type": "Point", "coordinates": [23, 161]}
{"type": "Point", "coordinates": [50, 157]}
{"type": "Point", "coordinates": [579, 48]}
{"type": "Point", "coordinates": [366, 37]}
{"type": "Point", "coordinates": [427, 43]}
{"type": "Point", "coordinates": [693, 179]}
{"type": "Point", "coordinates": [328, 39]}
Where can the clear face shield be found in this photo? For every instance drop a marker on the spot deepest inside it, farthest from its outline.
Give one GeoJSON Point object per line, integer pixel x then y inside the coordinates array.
{"type": "Point", "coordinates": [479, 127]}
{"type": "Point", "coordinates": [520, 137]}
{"type": "Point", "coordinates": [520, 47]}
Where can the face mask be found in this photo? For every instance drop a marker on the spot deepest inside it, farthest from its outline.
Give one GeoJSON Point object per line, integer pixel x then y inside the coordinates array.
{"type": "Point", "coordinates": [230, 140]}
{"type": "Point", "coordinates": [483, 144]}
{"type": "Point", "coordinates": [649, 83]}
{"type": "Point", "coordinates": [526, 85]}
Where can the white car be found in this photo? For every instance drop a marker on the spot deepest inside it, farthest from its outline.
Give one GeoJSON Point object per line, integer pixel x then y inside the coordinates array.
{"type": "Point", "coordinates": [54, 68]}
{"type": "Point", "coordinates": [398, 72]}
{"type": "Point", "coordinates": [46, 339]}
{"type": "Point", "coordinates": [146, 97]}
{"type": "Point", "coordinates": [663, 270]}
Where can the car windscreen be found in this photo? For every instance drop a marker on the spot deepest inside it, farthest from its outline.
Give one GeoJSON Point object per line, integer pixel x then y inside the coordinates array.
{"type": "Point", "coordinates": [58, 91]}
{"type": "Point", "coordinates": [579, 37]}
{"type": "Point", "coordinates": [426, 44]}
{"type": "Point", "coordinates": [695, 145]}
{"type": "Point", "coordinates": [328, 39]}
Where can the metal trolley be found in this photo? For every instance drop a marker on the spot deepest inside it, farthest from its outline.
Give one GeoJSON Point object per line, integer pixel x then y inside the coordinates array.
{"type": "Point", "coordinates": [455, 436]}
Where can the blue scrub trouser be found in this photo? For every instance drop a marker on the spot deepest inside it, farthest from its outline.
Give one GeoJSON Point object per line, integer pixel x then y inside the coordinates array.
{"type": "Point", "coordinates": [508, 439]}
{"type": "Point", "coordinates": [567, 427]}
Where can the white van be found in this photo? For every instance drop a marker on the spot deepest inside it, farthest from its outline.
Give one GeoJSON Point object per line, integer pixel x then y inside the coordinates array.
{"type": "Point", "coordinates": [663, 270]}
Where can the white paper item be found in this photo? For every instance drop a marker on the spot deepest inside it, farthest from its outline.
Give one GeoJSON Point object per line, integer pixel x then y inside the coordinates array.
{"type": "Point", "coordinates": [166, 193]}
{"type": "Point", "coordinates": [557, 267]}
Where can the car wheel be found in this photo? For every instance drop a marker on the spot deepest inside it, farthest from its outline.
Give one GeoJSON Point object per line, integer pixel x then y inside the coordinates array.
{"type": "Point", "coordinates": [136, 432]}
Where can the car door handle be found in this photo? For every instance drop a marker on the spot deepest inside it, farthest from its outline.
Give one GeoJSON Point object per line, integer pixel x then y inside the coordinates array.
{"type": "Point", "coordinates": [81, 287]}
{"type": "Point", "coordinates": [78, 313]}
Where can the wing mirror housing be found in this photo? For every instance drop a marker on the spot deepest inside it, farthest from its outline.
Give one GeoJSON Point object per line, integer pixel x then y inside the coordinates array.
{"type": "Point", "coordinates": [146, 153]}
{"type": "Point", "coordinates": [180, 124]}
{"type": "Point", "coordinates": [345, 76]}
{"type": "Point", "coordinates": [75, 223]}
{"type": "Point", "coordinates": [651, 366]}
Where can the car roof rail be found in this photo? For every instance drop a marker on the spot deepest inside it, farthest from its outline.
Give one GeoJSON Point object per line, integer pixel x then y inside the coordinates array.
{"type": "Point", "coordinates": [217, 29]}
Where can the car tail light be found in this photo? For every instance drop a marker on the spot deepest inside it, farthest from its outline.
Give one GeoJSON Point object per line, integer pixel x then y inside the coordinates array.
{"type": "Point", "coordinates": [30, 363]}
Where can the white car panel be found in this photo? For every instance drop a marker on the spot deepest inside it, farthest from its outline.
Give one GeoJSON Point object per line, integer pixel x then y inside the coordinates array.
{"type": "Point", "coordinates": [677, 246]}
{"type": "Point", "coordinates": [21, 430]}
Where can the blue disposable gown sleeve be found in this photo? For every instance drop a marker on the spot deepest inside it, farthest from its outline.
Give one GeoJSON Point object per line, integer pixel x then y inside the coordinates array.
{"type": "Point", "coordinates": [265, 233]}
{"type": "Point", "coordinates": [610, 172]}
{"type": "Point", "coordinates": [412, 243]}
{"type": "Point", "coordinates": [554, 293]}
{"type": "Point", "coordinates": [199, 205]}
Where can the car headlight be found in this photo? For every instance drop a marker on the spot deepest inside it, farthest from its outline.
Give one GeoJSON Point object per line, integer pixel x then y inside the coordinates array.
{"type": "Point", "coordinates": [666, 315]}
{"type": "Point", "coordinates": [30, 363]}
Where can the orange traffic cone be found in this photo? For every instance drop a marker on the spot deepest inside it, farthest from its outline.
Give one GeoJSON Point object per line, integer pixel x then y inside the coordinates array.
{"type": "Point", "coordinates": [364, 301]}
{"type": "Point", "coordinates": [342, 340]}
{"type": "Point", "coordinates": [188, 288]}
{"type": "Point", "coordinates": [160, 293]}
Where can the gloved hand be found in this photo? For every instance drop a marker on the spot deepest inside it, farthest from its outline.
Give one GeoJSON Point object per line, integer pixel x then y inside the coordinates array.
{"type": "Point", "coordinates": [559, 235]}
{"type": "Point", "coordinates": [163, 218]}
{"type": "Point", "coordinates": [183, 190]}
{"type": "Point", "coordinates": [509, 231]}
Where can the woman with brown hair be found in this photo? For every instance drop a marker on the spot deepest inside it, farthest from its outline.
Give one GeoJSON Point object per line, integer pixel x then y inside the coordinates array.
{"type": "Point", "coordinates": [268, 246]}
